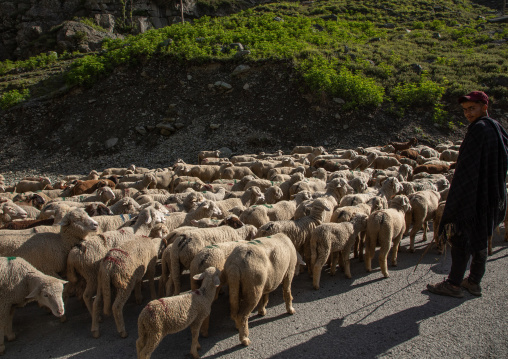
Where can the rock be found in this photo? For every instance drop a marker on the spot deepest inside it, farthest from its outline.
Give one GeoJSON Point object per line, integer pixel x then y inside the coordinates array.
{"type": "Point", "coordinates": [236, 45]}
{"type": "Point", "coordinates": [436, 35]}
{"type": "Point", "coordinates": [223, 85]}
{"type": "Point", "coordinates": [76, 35]}
{"type": "Point", "coordinates": [242, 53]}
{"type": "Point", "coordinates": [240, 69]}
{"type": "Point", "coordinates": [169, 119]}
{"type": "Point", "coordinates": [165, 132]}
{"type": "Point", "coordinates": [329, 17]}
{"type": "Point", "coordinates": [339, 100]}
{"type": "Point", "coordinates": [389, 26]}
{"type": "Point", "coordinates": [318, 27]}
{"type": "Point", "coordinates": [214, 126]}
{"type": "Point", "coordinates": [179, 125]}
{"type": "Point", "coordinates": [164, 44]}
{"type": "Point", "coordinates": [375, 39]}
{"type": "Point", "coordinates": [111, 142]}
{"type": "Point", "coordinates": [189, 77]}
{"type": "Point", "coordinates": [165, 126]}
{"type": "Point", "coordinates": [141, 130]}
{"type": "Point", "coordinates": [107, 21]}
{"type": "Point", "coordinates": [278, 19]}
{"type": "Point", "coordinates": [246, 86]}
{"type": "Point", "coordinates": [345, 127]}
{"type": "Point", "coordinates": [225, 152]}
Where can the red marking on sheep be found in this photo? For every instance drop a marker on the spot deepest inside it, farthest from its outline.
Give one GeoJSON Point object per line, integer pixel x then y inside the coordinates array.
{"type": "Point", "coordinates": [113, 259]}
{"type": "Point", "coordinates": [119, 250]}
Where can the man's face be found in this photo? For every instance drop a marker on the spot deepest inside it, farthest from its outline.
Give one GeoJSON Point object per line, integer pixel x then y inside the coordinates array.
{"type": "Point", "coordinates": [474, 110]}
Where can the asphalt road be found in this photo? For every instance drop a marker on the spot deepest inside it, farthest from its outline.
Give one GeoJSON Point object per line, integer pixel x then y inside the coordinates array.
{"type": "Point", "coordinates": [366, 316]}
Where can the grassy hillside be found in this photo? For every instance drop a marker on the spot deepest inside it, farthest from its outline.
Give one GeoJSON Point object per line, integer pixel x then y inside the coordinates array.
{"type": "Point", "coordinates": [391, 53]}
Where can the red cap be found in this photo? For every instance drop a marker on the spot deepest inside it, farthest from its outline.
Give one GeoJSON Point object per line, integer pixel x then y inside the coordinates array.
{"type": "Point", "coordinates": [475, 96]}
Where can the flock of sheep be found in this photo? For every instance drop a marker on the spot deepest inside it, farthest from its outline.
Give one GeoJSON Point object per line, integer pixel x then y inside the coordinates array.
{"type": "Point", "coordinates": [251, 222]}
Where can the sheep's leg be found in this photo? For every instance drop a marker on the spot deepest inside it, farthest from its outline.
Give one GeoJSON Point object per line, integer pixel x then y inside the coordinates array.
{"type": "Point", "coordinates": [150, 273]}
{"type": "Point", "coordinates": [416, 227]}
{"type": "Point", "coordinates": [96, 311]}
{"type": "Point", "coordinates": [345, 260]}
{"type": "Point", "coordinates": [425, 229]}
{"type": "Point", "coordinates": [262, 304]}
{"type": "Point", "coordinates": [383, 256]}
{"type": "Point", "coordinates": [122, 296]}
{"type": "Point", "coordinates": [3, 318]}
{"type": "Point", "coordinates": [137, 293]}
{"type": "Point", "coordinates": [362, 243]}
{"type": "Point", "coordinates": [169, 287]}
{"type": "Point", "coordinates": [204, 327]}
{"type": "Point", "coordinates": [395, 249]}
{"type": "Point", "coordinates": [175, 274]}
{"type": "Point", "coordinates": [370, 249]}
{"type": "Point", "coordinates": [247, 306]}
{"type": "Point", "coordinates": [490, 245]}
{"type": "Point", "coordinates": [163, 279]}
{"type": "Point", "coordinates": [286, 293]}
{"type": "Point", "coordinates": [90, 290]}
{"type": "Point", "coordinates": [195, 337]}
{"type": "Point", "coordinates": [9, 333]}
{"type": "Point", "coordinates": [307, 255]}
{"type": "Point", "coordinates": [318, 259]}
{"type": "Point", "coordinates": [356, 246]}
{"type": "Point", "coordinates": [146, 344]}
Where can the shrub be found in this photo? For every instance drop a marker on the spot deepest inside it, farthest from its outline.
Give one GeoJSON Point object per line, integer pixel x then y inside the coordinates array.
{"type": "Point", "coordinates": [87, 70]}
{"type": "Point", "coordinates": [13, 97]}
{"type": "Point", "coordinates": [423, 93]}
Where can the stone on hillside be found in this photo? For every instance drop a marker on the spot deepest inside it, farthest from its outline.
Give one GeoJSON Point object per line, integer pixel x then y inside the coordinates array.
{"type": "Point", "coordinates": [417, 68]}
{"type": "Point", "coordinates": [214, 126]}
{"type": "Point", "coordinates": [242, 53]}
{"type": "Point", "coordinates": [436, 35]}
{"type": "Point", "coordinates": [375, 39]}
{"type": "Point", "coordinates": [278, 19]}
{"type": "Point", "coordinates": [111, 142]}
{"type": "Point", "coordinates": [240, 69]}
{"type": "Point", "coordinates": [141, 130]}
{"type": "Point", "coordinates": [389, 26]}
{"type": "Point", "coordinates": [107, 21]}
{"type": "Point", "coordinates": [225, 152]}
{"type": "Point", "coordinates": [165, 132]}
{"type": "Point", "coordinates": [339, 100]}
{"type": "Point", "coordinates": [236, 45]}
{"type": "Point", "coordinates": [318, 27]}
{"type": "Point", "coordinates": [179, 125]}
{"type": "Point", "coordinates": [332, 17]}
{"type": "Point", "coordinates": [74, 35]}
{"type": "Point", "coordinates": [223, 85]}
{"type": "Point", "coordinates": [165, 126]}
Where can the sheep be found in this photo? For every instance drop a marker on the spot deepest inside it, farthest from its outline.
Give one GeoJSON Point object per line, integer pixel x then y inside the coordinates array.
{"type": "Point", "coordinates": [383, 162]}
{"type": "Point", "coordinates": [255, 269]}
{"type": "Point", "coordinates": [182, 185]}
{"type": "Point", "coordinates": [187, 245]}
{"type": "Point", "coordinates": [217, 196]}
{"type": "Point", "coordinates": [250, 197]}
{"type": "Point", "coordinates": [206, 173]}
{"type": "Point", "coordinates": [423, 209]}
{"type": "Point", "coordinates": [124, 267]}
{"type": "Point", "coordinates": [33, 186]}
{"type": "Point", "coordinates": [229, 171]}
{"type": "Point", "coordinates": [90, 186]}
{"type": "Point", "coordinates": [427, 152]}
{"type": "Point", "coordinates": [27, 224]}
{"type": "Point", "coordinates": [48, 251]}
{"type": "Point", "coordinates": [432, 169]}
{"type": "Point", "coordinates": [308, 149]}
{"type": "Point", "coordinates": [203, 210]}
{"type": "Point", "coordinates": [330, 239]}
{"type": "Point", "coordinates": [272, 195]}
{"type": "Point", "coordinates": [263, 184]}
{"type": "Point", "coordinates": [449, 155]}
{"type": "Point", "coordinates": [21, 283]}
{"type": "Point", "coordinates": [389, 189]}
{"type": "Point", "coordinates": [149, 180]}
{"type": "Point", "coordinates": [126, 205]}
{"type": "Point", "coordinates": [170, 315]}
{"type": "Point", "coordinates": [206, 154]}
{"type": "Point", "coordinates": [92, 175]}
{"type": "Point", "coordinates": [384, 227]}
{"type": "Point", "coordinates": [10, 211]}
{"type": "Point", "coordinates": [264, 213]}
{"type": "Point", "coordinates": [412, 187]}
{"type": "Point", "coordinates": [110, 223]}
{"type": "Point", "coordinates": [399, 146]}
{"type": "Point", "coordinates": [118, 171]}
{"type": "Point", "coordinates": [298, 230]}
{"type": "Point", "coordinates": [84, 259]}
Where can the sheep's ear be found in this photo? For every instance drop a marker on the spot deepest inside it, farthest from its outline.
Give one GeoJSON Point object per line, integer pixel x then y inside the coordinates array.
{"type": "Point", "coordinates": [64, 282]}
{"type": "Point", "coordinates": [65, 220]}
{"type": "Point", "coordinates": [194, 223]}
{"type": "Point", "coordinates": [216, 281]}
{"type": "Point", "coordinates": [148, 219]}
{"type": "Point", "coordinates": [34, 292]}
{"type": "Point", "coordinates": [198, 276]}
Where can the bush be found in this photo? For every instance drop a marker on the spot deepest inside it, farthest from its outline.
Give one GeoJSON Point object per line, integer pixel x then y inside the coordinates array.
{"type": "Point", "coordinates": [87, 70]}
{"type": "Point", "coordinates": [13, 97]}
{"type": "Point", "coordinates": [423, 93]}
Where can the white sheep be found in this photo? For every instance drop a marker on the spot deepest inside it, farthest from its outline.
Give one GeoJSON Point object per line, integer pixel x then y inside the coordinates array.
{"type": "Point", "coordinates": [205, 209]}
{"type": "Point", "coordinates": [21, 283]}
{"type": "Point", "coordinates": [187, 245]}
{"type": "Point", "coordinates": [384, 227]}
{"type": "Point", "coordinates": [335, 239]}
{"type": "Point", "coordinates": [124, 268]}
{"type": "Point", "coordinates": [171, 315]}
{"type": "Point", "coordinates": [10, 211]}
{"type": "Point", "coordinates": [423, 209]}
{"type": "Point", "coordinates": [252, 271]}
{"type": "Point", "coordinates": [33, 186]}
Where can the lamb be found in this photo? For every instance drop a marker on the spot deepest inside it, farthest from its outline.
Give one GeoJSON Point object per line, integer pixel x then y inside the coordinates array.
{"type": "Point", "coordinates": [170, 315]}
{"type": "Point", "coordinates": [299, 230]}
{"type": "Point", "coordinates": [217, 196]}
{"type": "Point", "coordinates": [118, 171]}
{"type": "Point", "coordinates": [383, 162]}
{"type": "Point", "coordinates": [261, 214]}
{"type": "Point", "coordinates": [389, 189]}
{"type": "Point", "coordinates": [308, 149]}
{"type": "Point", "coordinates": [92, 175]}
{"type": "Point", "coordinates": [33, 186]}
{"type": "Point", "coordinates": [330, 239]}
{"type": "Point", "coordinates": [124, 267]}
{"type": "Point", "coordinates": [250, 197]}
{"type": "Point", "coordinates": [384, 227]}
{"type": "Point", "coordinates": [21, 283]}
{"type": "Point", "coordinates": [186, 246]}
{"type": "Point", "coordinates": [39, 248]}
{"type": "Point", "coordinates": [10, 211]}
{"type": "Point", "coordinates": [229, 171]}
{"type": "Point", "coordinates": [84, 259]}
{"type": "Point", "coordinates": [205, 154]}
{"type": "Point", "coordinates": [149, 180]}
{"type": "Point", "coordinates": [110, 223]}
{"type": "Point", "coordinates": [428, 152]}
{"type": "Point", "coordinates": [273, 195]}
{"type": "Point", "coordinates": [255, 269]}
{"type": "Point", "coordinates": [206, 173]}
{"type": "Point", "coordinates": [399, 146]}
{"type": "Point", "coordinates": [412, 187]}
{"type": "Point", "coordinates": [423, 209]}
{"type": "Point", "coordinates": [126, 205]}
{"type": "Point", "coordinates": [90, 186]}
{"type": "Point", "coordinates": [203, 210]}
{"type": "Point", "coordinates": [449, 155]}
{"type": "Point", "coordinates": [432, 169]}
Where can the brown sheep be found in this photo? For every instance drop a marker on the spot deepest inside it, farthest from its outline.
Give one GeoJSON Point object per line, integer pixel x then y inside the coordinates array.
{"type": "Point", "coordinates": [432, 169]}
{"type": "Point", "coordinates": [399, 146]}
{"type": "Point", "coordinates": [90, 186]}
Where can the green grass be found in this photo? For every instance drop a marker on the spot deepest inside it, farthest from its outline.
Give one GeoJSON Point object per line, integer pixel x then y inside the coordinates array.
{"type": "Point", "coordinates": [356, 57]}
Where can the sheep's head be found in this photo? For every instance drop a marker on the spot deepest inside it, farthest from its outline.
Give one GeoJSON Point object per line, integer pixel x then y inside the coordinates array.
{"type": "Point", "coordinates": [413, 141]}
{"type": "Point", "coordinates": [210, 277]}
{"type": "Point", "coordinates": [359, 221]}
{"type": "Point", "coordinates": [151, 216]}
{"type": "Point", "coordinates": [232, 221]}
{"type": "Point", "coordinates": [106, 194]}
{"type": "Point", "coordinates": [11, 210]}
{"type": "Point", "coordinates": [160, 230]}
{"type": "Point", "coordinates": [392, 186]}
{"type": "Point", "coordinates": [49, 294]}
{"type": "Point", "coordinates": [80, 220]}
{"type": "Point", "coordinates": [210, 207]}
{"type": "Point", "coordinates": [256, 194]}
{"type": "Point", "coordinates": [400, 202]}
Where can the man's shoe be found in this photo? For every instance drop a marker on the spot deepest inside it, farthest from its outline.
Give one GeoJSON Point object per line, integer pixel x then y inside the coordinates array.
{"type": "Point", "coordinates": [445, 288]}
{"type": "Point", "coordinates": [472, 288]}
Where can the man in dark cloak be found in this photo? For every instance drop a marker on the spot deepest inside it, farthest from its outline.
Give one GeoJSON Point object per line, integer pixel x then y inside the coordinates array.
{"type": "Point", "coordinates": [476, 202]}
